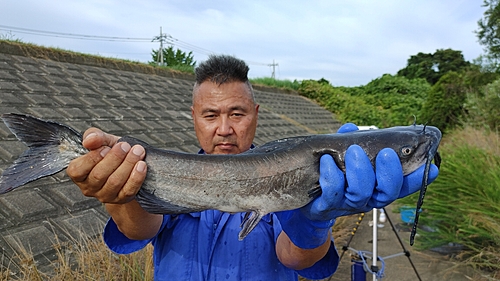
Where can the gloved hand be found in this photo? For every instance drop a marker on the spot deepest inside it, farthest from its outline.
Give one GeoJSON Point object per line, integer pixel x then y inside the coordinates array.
{"type": "Point", "coordinates": [366, 189]}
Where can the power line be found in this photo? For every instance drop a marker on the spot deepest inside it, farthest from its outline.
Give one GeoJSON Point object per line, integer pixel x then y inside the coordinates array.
{"type": "Point", "coordinates": [167, 38]}
{"type": "Point", "coordinates": [172, 41]}
{"type": "Point", "coordinates": [72, 35]}
{"type": "Point", "coordinates": [191, 47]}
{"type": "Point", "coordinates": [163, 38]}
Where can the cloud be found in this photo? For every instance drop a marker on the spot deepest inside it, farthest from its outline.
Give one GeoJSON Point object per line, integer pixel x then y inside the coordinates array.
{"type": "Point", "coordinates": [347, 42]}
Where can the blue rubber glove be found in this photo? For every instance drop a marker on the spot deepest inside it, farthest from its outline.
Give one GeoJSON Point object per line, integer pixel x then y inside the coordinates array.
{"type": "Point", "coordinates": [303, 230]}
{"type": "Point", "coordinates": [366, 189]}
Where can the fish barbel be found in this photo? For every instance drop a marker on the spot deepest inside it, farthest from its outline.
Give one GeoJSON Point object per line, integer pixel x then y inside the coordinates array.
{"type": "Point", "coordinates": [276, 176]}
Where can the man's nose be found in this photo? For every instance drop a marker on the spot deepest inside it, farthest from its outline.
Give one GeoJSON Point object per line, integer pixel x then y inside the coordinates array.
{"type": "Point", "coordinates": [225, 127]}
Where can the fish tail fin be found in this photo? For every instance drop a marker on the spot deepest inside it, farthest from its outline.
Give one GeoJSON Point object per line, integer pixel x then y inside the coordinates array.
{"type": "Point", "coordinates": [51, 146]}
{"type": "Point", "coordinates": [249, 223]}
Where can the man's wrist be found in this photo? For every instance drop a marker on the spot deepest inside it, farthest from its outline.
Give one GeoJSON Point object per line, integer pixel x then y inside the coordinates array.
{"type": "Point", "coordinates": [303, 232]}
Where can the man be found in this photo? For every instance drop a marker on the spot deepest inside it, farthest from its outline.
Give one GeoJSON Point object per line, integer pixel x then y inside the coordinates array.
{"type": "Point", "coordinates": [204, 245]}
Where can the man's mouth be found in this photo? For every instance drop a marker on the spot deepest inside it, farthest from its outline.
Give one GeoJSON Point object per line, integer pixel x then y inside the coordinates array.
{"type": "Point", "coordinates": [225, 145]}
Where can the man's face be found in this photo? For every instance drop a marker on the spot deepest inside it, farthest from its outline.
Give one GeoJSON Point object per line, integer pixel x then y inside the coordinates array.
{"type": "Point", "coordinates": [225, 117]}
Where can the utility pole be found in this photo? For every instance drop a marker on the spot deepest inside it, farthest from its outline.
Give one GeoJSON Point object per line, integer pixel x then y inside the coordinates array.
{"type": "Point", "coordinates": [273, 65]}
{"type": "Point", "coordinates": [162, 39]}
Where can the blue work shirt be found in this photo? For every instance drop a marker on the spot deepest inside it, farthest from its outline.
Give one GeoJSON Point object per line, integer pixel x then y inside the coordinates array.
{"type": "Point", "coordinates": [205, 246]}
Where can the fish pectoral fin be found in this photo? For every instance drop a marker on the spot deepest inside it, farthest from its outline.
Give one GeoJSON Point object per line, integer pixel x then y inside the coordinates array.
{"type": "Point", "coordinates": [249, 222]}
{"type": "Point", "coordinates": [153, 204]}
{"type": "Point", "coordinates": [315, 191]}
{"type": "Point", "coordinates": [336, 155]}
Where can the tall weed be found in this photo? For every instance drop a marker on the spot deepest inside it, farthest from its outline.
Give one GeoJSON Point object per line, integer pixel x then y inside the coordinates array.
{"type": "Point", "coordinates": [483, 107]}
{"type": "Point", "coordinates": [83, 259]}
{"type": "Point", "coordinates": [463, 204]}
{"type": "Point", "coordinates": [86, 258]}
{"type": "Point", "coordinates": [281, 84]}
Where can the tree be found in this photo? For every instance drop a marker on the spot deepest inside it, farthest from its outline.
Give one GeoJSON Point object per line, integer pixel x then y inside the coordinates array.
{"type": "Point", "coordinates": [173, 57]}
{"type": "Point", "coordinates": [384, 102]}
{"type": "Point", "coordinates": [483, 108]}
{"type": "Point", "coordinates": [401, 97]}
{"type": "Point", "coordinates": [346, 107]}
{"type": "Point", "coordinates": [444, 106]}
{"type": "Point", "coordinates": [433, 66]}
{"type": "Point", "coordinates": [419, 66]}
{"type": "Point", "coordinates": [489, 29]}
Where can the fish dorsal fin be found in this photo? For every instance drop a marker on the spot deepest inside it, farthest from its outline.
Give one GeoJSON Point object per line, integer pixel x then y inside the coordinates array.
{"type": "Point", "coordinates": [249, 223]}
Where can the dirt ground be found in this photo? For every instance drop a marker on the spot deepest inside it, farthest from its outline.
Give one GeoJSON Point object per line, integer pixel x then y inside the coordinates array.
{"type": "Point", "coordinates": [429, 266]}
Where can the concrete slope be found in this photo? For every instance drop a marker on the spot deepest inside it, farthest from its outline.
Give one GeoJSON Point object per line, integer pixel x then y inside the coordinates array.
{"type": "Point", "coordinates": [149, 104]}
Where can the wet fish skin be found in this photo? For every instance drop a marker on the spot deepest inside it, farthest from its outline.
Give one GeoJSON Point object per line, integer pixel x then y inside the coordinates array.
{"type": "Point", "coordinates": [279, 175]}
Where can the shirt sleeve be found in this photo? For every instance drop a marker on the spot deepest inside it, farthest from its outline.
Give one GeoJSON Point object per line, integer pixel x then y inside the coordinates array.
{"type": "Point", "coordinates": [119, 243]}
{"type": "Point", "coordinates": [324, 267]}
{"type": "Point", "coordinates": [321, 269]}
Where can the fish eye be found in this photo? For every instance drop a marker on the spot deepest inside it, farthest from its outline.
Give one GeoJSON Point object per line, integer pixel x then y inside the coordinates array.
{"type": "Point", "coordinates": [406, 150]}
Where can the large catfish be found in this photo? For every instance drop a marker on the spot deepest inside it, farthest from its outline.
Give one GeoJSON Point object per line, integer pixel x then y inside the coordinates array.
{"type": "Point", "coordinates": [279, 175]}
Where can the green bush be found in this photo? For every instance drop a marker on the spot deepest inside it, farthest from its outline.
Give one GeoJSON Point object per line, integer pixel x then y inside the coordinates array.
{"type": "Point", "coordinates": [399, 97]}
{"type": "Point", "coordinates": [483, 108]}
{"type": "Point", "coordinates": [348, 108]}
{"type": "Point", "coordinates": [319, 91]}
{"type": "Point", "coordinates": [384, 102]}
{"type": "Point", "coordinates": [444, 106]}
{"type": "Point", "coordinates": [281, 84]}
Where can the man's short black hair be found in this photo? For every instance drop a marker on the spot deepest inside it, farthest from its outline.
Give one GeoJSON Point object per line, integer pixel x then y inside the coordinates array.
{"type": "Point", "coordinates": [221, 69]}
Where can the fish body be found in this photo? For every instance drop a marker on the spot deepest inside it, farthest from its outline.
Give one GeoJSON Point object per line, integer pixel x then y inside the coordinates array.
{"type": "Point", "coordinates": [279, 175]}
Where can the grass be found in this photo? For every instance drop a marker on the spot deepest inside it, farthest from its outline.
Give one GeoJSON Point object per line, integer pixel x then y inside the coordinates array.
{"type": "Point", "coordinates": [58, 54]}
{"type": "Point", "coordinates": [81, 259]}
{"type": "Point", "coordinates": [17, 47]}
{"type": "Point", "coordinates": [181, 68]}
{"type": "Point", "coordinates": [86, 259]}
{"type": "Point", "coordinates": [280, 84]}
{"type": "Point", "coordinates": [463, 204]}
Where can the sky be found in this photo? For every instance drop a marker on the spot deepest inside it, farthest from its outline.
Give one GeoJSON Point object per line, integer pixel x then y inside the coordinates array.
{"type": "Point", "coordinates": [347, 42]}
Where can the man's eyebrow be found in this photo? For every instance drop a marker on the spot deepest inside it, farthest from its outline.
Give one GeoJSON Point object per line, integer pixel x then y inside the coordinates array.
{"type": "Point", "coordinates": [238, 107]}
{"type": "Point", "coordinates": [209, 110]}
{"type": "Point", "coordinates": [232, 108]}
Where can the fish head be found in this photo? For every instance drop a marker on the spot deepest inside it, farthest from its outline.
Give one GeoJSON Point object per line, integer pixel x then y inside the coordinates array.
{"type": "Point", "coordinates": [416, 145]}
